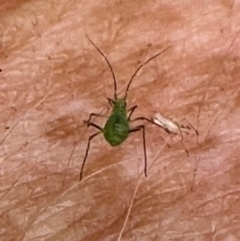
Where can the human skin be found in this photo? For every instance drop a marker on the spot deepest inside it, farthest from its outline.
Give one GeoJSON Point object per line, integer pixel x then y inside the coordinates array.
{"type": "Point", "coordinates": [52, 78]}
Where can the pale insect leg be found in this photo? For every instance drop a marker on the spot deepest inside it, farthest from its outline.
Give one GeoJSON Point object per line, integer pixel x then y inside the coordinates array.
{"type": "Point", "coordinates": [194, 174]}
{"type": "Point", "coordinates": [186, 128]}
{"type": "Point", "coordinates": [192, 127]}
{"type": "Point", "coordinates": [181, 140]}
{"type": "Point", "coordinates": [172, 128]}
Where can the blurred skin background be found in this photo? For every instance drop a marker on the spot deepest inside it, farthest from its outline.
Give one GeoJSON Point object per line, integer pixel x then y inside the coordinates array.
{"type": "Point", "coordinates": [52, 78]}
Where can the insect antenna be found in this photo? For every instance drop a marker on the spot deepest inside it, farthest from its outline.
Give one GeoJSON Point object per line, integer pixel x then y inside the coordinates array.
{"type": "Point", "coordinates": [144, 63]}
{"type": "Point", "coordinates": [109, 65]}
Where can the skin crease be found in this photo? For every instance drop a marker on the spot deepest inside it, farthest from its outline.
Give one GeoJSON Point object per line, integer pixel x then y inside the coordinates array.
{"type": "Point", "coordinates": [52, 79]}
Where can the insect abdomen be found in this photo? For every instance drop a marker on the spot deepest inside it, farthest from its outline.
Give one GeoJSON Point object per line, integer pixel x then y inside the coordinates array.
{"type": "Point", "coordinates": [116, 129]}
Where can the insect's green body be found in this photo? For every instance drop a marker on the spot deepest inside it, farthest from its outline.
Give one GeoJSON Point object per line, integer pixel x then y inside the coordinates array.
{"type": "Point", "coordinates": [117, 127]}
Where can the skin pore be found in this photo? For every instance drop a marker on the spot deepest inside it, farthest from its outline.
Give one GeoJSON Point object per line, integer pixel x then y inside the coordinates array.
{"type": "Point", "coordinates": [52, 79]}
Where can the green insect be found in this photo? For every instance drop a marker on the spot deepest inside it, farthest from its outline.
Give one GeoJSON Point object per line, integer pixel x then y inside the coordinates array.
{"type": "Point", "coordinates": [117, 127]}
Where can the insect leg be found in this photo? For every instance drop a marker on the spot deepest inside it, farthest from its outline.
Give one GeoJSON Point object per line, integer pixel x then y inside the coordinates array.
{"type": "Point", "coordinates": [94, 125]}
{"type": "Point", "coordinates": [94, 114]}
{"type": "Point", "coordinates": [138, 128]}
{"type": "Point", "coordinates": [86, 153]}
{"type": "Point", "coordinates": [131, 110]}
{"type": "Point", "coordinates": [181, 140]}
{"type": "Point", "coordinates": [152, 122]}
{"type": "Point", "coordinates": [196, 131]}
{"type": "Point", "coordinates": [111, 101]}
{"type": "Point", "coordinates": [189, 126]}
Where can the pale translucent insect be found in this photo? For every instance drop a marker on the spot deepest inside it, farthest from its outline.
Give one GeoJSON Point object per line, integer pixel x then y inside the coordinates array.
{"type": "Point", "coordinates": [172, 127]}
